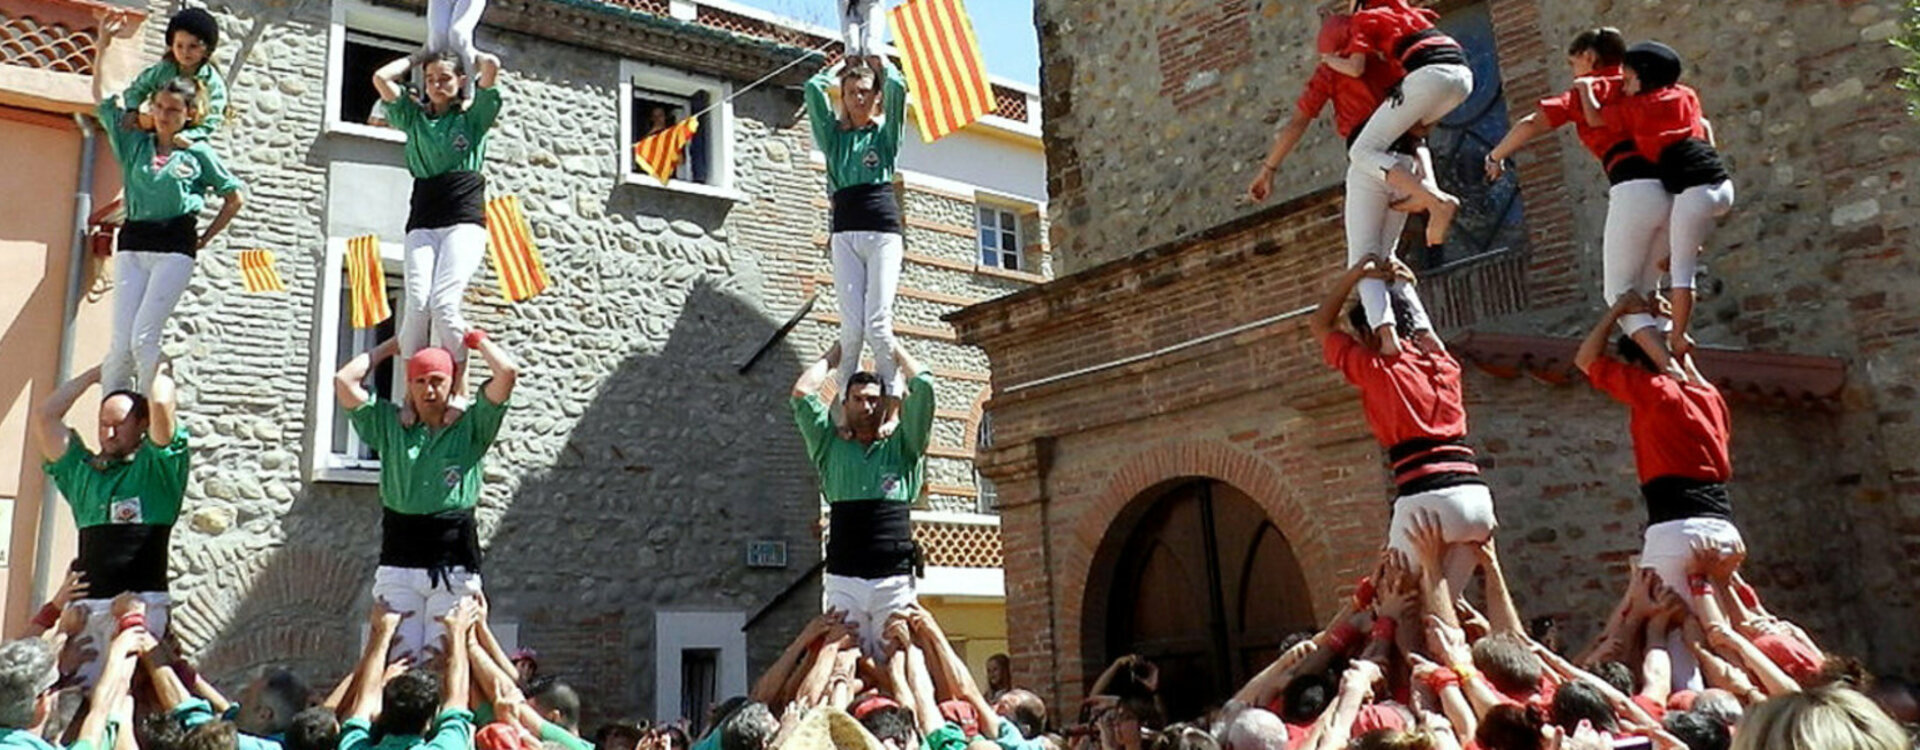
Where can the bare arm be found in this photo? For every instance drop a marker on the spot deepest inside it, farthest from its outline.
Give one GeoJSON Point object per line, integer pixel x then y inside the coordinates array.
{"type": "Point", "coordinates": [1502, 615]}
{"type": "Point", "coordinates": [373, 663]}
{"type": "Point", "coordinates": [386, 80]}
{"type": "Point", "coordinates": [1271, 680]}
{"type": "Point", "coordinates": [488, 66]}
{"type": "Point", "coordinates": [123, 653]}
{"type": "Point", "coordinates": [815, 376]}
{"type": "Point", "coordinates": [909, 366]}
{"type": "Point", "coordinates": [1327, 316]}
{"type": "Point", "coordinates": [768, 688]}
{"type": "Point", "coordinates": [459, 685]}
{"type": "Point", "coordinates": [1528, 128]}
{"type": "Point", "coordinates": [1283, 144]}
{"type": "Point", "coordinates": [503, 371]}
{"type": "Point", "coordinates": [1595, 345]}
{"type": "Point", "coordinates": [230, 204]}
{"type": "Point", "coordinates": [1355, 684]}
{"type": "Point", "coordinates": [1352, 66]}
{"type": "Point", "coordinates": [162, 406]}
{"type": "Point", "coordinates": [49, 419]}
{"type": "Point", "coordinates": [348, 390]}
{"type": "Point", "coordinates": [952, 672]}
{"type": "Point", "coordinates": [110, 25]}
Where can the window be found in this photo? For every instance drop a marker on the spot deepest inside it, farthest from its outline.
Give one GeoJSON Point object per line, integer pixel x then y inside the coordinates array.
{"type": "Point", "coordinates": [336, 453]}
{"type": "Point", "coordinates": [988, 498]}
{"type": "Point", "coordinates": [1490, 214]}
{"type": "Point", "coordinates": [362, 38]}
{"type": "Point", "coordinates": [655, 99]}
{"type": "Point", "coordinates": [999, 238]}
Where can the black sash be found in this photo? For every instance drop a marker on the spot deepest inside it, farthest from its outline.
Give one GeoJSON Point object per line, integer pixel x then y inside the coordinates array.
{"type": "Point", "coordinates": [457, 197]}
{"type": "Point", "coordinates": [1447, 53]}
{"type": "Point", "coordinates": [122, 557]}
{"type": "Point", "coordinates": [1408, 455]}
{"type": "Point", "coordinates": [1690, 163]}
{"type": "Point", "coordinates": [435, 542]}
{"type": "Point", "coordinates": [866, 208]}
{"type": "Point", "coordinates": [1673, 498]}
{"type": "Point", "coordinates": [871, 539]}
{"type": "Point", "coordinates": [177, 235]}
{"type": "Point", "coordinates": [1623, 164]}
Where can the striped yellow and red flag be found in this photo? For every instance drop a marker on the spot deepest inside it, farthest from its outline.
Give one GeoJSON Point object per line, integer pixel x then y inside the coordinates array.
{"type": "Point", "coordinates": [943, 65]}
{"type": "Point", "coordinates": [367, 280]}
{"type": "Point", "coordinates": [257, 271]}
{"type": "Point", "coordinates": [510, 244]}
{"type": "Point", "coordinates": [659, 154]}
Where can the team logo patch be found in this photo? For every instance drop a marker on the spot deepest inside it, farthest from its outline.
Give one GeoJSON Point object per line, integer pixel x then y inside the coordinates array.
{"type": "Point", "coordinates": [452, 476]}
{"type": "Point", "coordinates": [125, 510]}
{"type": "Point", "coordinates": [460, 142]}
{"type": "Point", "coordinates": [889, 484]}
{"type": "Point", "coordinates": [872, 159]}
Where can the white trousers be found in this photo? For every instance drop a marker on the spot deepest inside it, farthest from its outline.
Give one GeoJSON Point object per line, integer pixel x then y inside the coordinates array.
{"type": "Point", "coordinates": [439, 262]}
{"type": "Point", "coordinates": [1668, 551]}
{"type": "Point", "coordinates": [91, 646]}
{"type": "Point", "coordinates": [1634, 243]}
{"type": "Point", "coordinates": [1427, 95]}
{"type": "Point", "coordinates": [866, 275]}
{"type": "Point", "coordinates": [146, 286]}
{"type": "Point", "coordinates": [450, 25]}
{"type": "Point", "coordinates": [868, 602]}
{"type": "Point", "coordinates": [1466, 517]}
{"type": "Point", "coordinates": [1694, 212]}
{"type": "Point", "coordinates": [1373, 229]}
{"type": "Point", "coordinates": [862, 23]}
{"type": "Point", "coordinates": [421, 604]}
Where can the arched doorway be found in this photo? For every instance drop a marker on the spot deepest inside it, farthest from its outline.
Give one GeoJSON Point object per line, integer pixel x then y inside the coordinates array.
{"type": "Point", "coordinates": [1204, 585]}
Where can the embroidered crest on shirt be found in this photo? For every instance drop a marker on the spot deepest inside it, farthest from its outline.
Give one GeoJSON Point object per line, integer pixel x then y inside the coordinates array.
{"type": "Point", "coordinates": [451, 476]}
{"type": "Point", "coordinates": [125, 510]}
{"type": "Point", "coordinates": [460, 142]}
{"type": "Point", "coordinates": [889, 484]}
{"type": "Point", "coordinates": [872, 159]}
{"type": "Point", "coordinates": [186, 169]}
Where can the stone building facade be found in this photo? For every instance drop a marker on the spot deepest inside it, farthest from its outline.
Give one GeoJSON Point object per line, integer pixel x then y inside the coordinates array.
{"type": "Point", "coordinates": [649, 514]}
{"type": "Point", "coordinates": [1164, 394]}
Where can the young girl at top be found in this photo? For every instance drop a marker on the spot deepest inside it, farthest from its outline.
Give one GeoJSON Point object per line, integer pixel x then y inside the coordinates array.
{"type": "Point", "coordinates": [1663, 118]}
{"type": "Point", "coordinates": [861, 143]}
{"type": "Point", "coordinates": [1390, 32]}
{"type": "Point", "coordinates": [447, 219]}
{"type": "Point", "coordinates": [192, 35]}
{"type": "Point", "coordinates": [166, 186]}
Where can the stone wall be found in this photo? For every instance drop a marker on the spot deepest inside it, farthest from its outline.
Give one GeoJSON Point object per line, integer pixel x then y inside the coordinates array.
{"type": "Point", "coordinates": [638, 460]}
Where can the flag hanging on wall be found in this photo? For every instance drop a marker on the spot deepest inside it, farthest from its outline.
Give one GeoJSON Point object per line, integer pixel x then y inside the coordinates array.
{"type": "Point", "coordinates": [943, 65]}
{"type": "Point", "coordinates": [659, 154]}
{"type": "Point", "coordinates": [257, 271]}
{"type": "Point", "coordinates": [367, 280]}
{"type": "Point", "coordinates": [510, 244]}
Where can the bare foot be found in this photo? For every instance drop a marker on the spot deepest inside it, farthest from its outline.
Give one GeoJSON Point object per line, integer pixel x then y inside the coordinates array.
{"type": "Point", "coordinates": [1440, 218]}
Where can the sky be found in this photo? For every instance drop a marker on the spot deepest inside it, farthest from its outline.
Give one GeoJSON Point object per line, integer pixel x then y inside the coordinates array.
{"type": "Point", "coordinates": [1004, 27]}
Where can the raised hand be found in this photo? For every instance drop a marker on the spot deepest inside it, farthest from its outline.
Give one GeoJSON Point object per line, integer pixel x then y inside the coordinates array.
{"type": "Point", "coordinates": [72, 589]}
{"type": "Point", "coordinates": [1448, 642]}
{"type": "Point", "coordinates": [1429, 539]}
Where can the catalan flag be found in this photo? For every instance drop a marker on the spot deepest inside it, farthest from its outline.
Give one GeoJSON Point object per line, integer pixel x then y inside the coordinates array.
{"type": "Point", "coordinates": [943, 65]}
{"type": "Point", "coordinates": [660, 153]}
{"type": "Point", "coordinates": [258, 272]}
{"type": "Point", "coordinates": [367, 280]}
{"type": "Point", "coordinates": [510, 244]}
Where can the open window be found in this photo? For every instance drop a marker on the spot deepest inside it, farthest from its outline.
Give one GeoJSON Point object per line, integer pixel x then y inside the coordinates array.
{"type": "Point", "coordinates": [654, 98]}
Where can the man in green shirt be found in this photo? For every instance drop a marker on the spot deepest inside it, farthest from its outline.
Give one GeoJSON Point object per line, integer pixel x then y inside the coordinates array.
{"type": "Point", "coordinates": [430, 475]}
{"type": "Point", "coordinates": [870, 483]}
{"type": "Point", "coordinates": [124, 499]}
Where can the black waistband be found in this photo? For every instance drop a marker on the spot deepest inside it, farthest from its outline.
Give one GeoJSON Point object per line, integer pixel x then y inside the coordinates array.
{"type": "Point", "coordinates": [1624, 164]}
{"type": "Point", "coordinates": [443, 200]}
{"type": "Point", "coordinates": [866, 208]}
{"type": "Point", "coordinates": [1406, 449]}
{"type": "Point", "coordinates": [1448, 52]}
{"type": "Point", "coordinates": [436, 542]}
{"type": "Point", "coordinates": [178, 235]}
{"type": "Point", "coordinates": [1672, 498]}
{"type": "Point", "coordinates": [122, 557]}
{"type": "Point", "coordinates": [1408, 456]}
{"type": "Point", "coordinates": [871, 539]}
{"type": "Point", "coordinates": [1690, 163]}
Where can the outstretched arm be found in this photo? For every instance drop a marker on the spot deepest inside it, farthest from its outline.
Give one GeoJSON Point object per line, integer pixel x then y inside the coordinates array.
{"type": "Point", "coordinates": [815, 376]}
{"type": "Point", "coordinates": [1283, 143]}
{"type": "Point", "coordinates": [123, 655]}
{"type": "Point", "coordinates": [162, 403]}
{"type": "Point", "coordinates": [950, 671]}
{"type": "Point", "coordinates": [459, 685]}
{"type": "Point", "coordinates": [347, 383]}
{"type": "Point", "coordinates": [1528, 128]}
{"type": "Point", "coordinates": [373, 662]}
{"type": "Point", "coordinates": [1502, 615]}
{"type": "Point", "coordinates": [1595, 345]}
{"type": "Point", "coordinates": [1352, 66]}
{"type": "Point", "coordinates": [1327, 316]}
{"type": "Point", "coordinates": [49, 425]}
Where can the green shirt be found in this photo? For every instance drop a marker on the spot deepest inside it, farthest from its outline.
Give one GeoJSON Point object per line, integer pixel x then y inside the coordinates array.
{"type": "Point", "coordinates": [864, 156]}
{"type": "Point", "coordinates": [165, 189]}
{"type": "Point", "coordinates": [948, 737]}
{"type": "Point", "coordinates": [551, 732]}
{"type": "Point", "coordinates": [887, 469]}
{"type": "Point", "coordinates": [146, 488]}
{"type": "Point", "coordinates": [424, 470]}
{"type": "Point", "coordinates": [452, 730]}
{"type": "Point", "coordinates": [455, 141]}
{"type": "Point", "coordinates": [193, 712]}
{"type": "Point", "coordinates": [21, 739]}
{"type": "Point", "coordinates": [210, 79]}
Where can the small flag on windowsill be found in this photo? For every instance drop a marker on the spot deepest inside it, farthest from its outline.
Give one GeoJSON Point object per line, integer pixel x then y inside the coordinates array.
{"type": "Point", "coordinates": [367, 279]}
{"type": "Point", "coordinates": [258, 272]}
{"type": "Point", "coordinates": [659, 154]}
{"type": "Point", "coordinates": [944, 69]}
{"type": "Point", "coordinates": [510, 244]}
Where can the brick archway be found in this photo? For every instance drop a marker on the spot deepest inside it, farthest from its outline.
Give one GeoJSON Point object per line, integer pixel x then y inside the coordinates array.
{"type": "Point", "coordinates": [1103, 526]}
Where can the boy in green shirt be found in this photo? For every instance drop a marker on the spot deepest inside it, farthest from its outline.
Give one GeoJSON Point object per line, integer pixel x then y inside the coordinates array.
{"type": "Point", "coordinates": [124, 499]}
{"type": "Point", "coordinates": [870, 482]}
{"type": "Point", "coordinates": [430, 475]}
{"type": "Point", "coordinates": [413, 711]}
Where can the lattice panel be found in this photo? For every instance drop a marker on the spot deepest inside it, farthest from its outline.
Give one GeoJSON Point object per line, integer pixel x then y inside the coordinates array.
{"type": "Point", "coordinates": [959, 545]}
{"type": "Point", "coordinates": [27, 42]}
{"type": "Point", "coordinates": [657, 7]}
{"type": "Point", "coordinates": [748, 26]}
{"type": "Point", "coordinates": [1010, 104]}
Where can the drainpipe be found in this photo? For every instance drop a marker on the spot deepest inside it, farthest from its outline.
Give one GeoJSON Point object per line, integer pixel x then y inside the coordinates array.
{"type": "Point", "coordinates": [76, 274]}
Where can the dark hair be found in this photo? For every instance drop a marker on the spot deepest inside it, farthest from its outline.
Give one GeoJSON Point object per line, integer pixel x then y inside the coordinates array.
{"type": "Point", "coordinates": [560, 697]}
{"type": "Point", "coordinates": [1657, 65]}
{"type": "Point", "coordinates": [408, 704]}
{"type": "Point", "coordinates": [1029, 712]}
{"type": "Point", "coordinates": [1510, 727]}
{"type": "Point", "coordinates": [718, 715]}
{"type": "Point", "coordinates": [887, 723]}
{"type": "Point", "coordinates": [622, 728]}
{"type": "Point", "coordinates": [316, 728]}
{"type": "Point", "coordinates": [1402, 318]}
{"type": "Point", "coordinates": [750, 728]}
{"type": "Point", "coordinates": [1698, 731]}
{"type": "Point", "coordinates": [195, 21]}
{"type": "Point", "coordinates": [676, 739]}
{"type": "Point", "coordinates": [138, 410]}
{"type": "Point", "coordinates": [865, 377]}
{"type": "Point", "coordinates": [1630, 351]}
{"type": "Point", "coordinates": [1305, 697]}
{"type": "Point", "coordinates": [1616, 674]}
{"type": "Point", "coordinates": [158, 731]}
{"type": "Point", "coordinates": [1580, 700]}
{"type": "Point", "coordinates": [1183, 736]}
{"type": "Point", "coordinates": [1843, 669]}
{"type": "Point", "coordinates": [1606, 43]}
{"type": "Point", "coordinates": [1509, 663]}
{"type": "Point", "coordinates": [213, 735]}
{"type": "Point", "coordinates": [286, 694]}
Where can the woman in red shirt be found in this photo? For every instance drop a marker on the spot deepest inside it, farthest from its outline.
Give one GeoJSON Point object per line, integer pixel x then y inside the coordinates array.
{"type": "Point", "coordinates": [1663, 117]}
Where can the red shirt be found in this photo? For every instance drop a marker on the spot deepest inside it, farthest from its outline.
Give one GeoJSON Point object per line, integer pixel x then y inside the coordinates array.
{"type": "Point", "coordinates": [1656, 120]}
{"type": "Point", "coordinates": [1378, 29]}
{"type": "Point", "coordinates": [1354, 99]}
{"type": "Point", "coordinates": [1653, 709]}
{"type": "Point", "coordinates": [1564, 108]}
{"type": "Point", "coordinates": [1414, 395]}
{"type": "Point", "coordinates": [1679, 429]}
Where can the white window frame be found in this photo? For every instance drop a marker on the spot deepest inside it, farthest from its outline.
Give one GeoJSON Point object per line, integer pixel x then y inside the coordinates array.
{"type": "Point", "coordinates": [1001, 214]}
{"type": "Point", "coordinates": [674, 632]}
{"type": "Point", "coordinates": [323, 465]}
{"type": "Point", "coordinates": [719, 141]}
{"type": "Point", "coordinates": [359, 15]}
